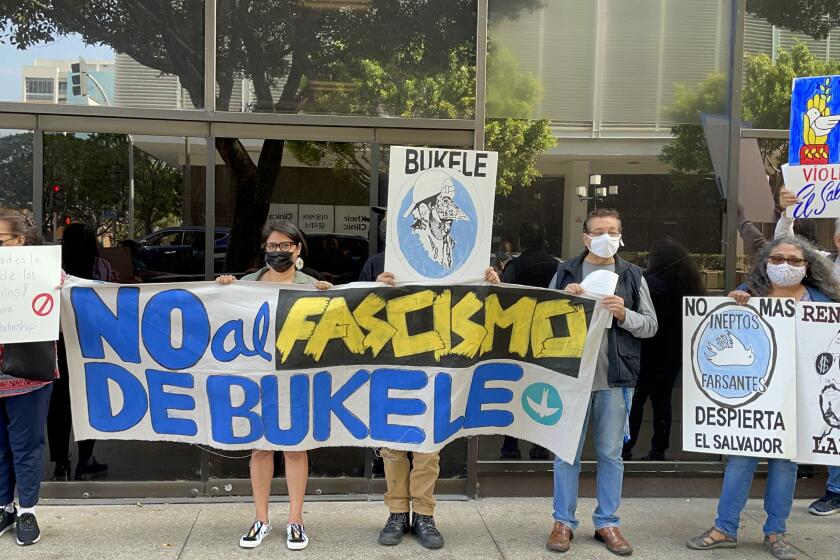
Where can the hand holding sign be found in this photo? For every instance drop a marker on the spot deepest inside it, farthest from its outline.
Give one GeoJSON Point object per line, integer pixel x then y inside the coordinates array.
{"type": "Point", "coordinates": [30, 278]}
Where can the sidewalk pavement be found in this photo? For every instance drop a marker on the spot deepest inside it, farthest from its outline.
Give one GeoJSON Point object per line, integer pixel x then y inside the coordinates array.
{"type": "Point", "coordinates": [485, 529]}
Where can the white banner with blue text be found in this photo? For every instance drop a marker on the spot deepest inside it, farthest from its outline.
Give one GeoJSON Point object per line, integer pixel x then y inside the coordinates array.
{"type": "Point", "coordinates": [265, 366]}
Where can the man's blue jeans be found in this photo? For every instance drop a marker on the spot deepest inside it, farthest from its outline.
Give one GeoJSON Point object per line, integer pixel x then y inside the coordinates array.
{"type": "Point", "coordinates": [608, 411]}
{"type": "Point", "coordinates": [833, 480]}
{"type": "Point", "coordinates": [778, 497]}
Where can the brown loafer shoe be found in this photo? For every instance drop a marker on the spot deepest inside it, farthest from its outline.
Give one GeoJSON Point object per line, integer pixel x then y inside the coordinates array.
{"type": "Point", "coordinates": [560, 539]}
{"type": "Point", "coordinates": [611, 536]}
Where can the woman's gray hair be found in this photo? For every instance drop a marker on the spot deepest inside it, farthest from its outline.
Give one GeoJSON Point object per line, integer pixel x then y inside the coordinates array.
{"type": "Point", "coordinates": [820, 273]}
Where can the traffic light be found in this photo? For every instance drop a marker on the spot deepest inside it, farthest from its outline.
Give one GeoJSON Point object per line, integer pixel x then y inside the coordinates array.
{"type": "Point", "coordinates": [78, 78]}
{"type": "Point", "coordinates": [58, 199]}
{"type": "Point", "coordinates": [67, 220]}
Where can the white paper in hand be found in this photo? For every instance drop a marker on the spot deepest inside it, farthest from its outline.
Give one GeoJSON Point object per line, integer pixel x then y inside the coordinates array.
{"type": "Point", "coordinates": [600, 283]}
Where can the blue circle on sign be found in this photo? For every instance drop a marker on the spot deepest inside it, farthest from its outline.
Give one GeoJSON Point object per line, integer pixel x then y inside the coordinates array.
{"type": "Point", "coordinates": [734, 354]}
{"type": "Point", "coordinates": [437, 227]}
{"type": "Point", "coordinates": [542, 403]}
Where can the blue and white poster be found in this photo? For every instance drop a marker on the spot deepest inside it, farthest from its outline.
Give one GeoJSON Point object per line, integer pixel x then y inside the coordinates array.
{"type": "Point", "coordinates": [256, 365]}
{"type": "Point", "coordinates": [440, 214]}
{"type": "Point", "coordinates": [813, 168]}
{"type": "Point", "coordinates": [739, 377]}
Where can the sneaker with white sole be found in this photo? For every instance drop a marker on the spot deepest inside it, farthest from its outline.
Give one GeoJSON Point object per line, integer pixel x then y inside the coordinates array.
{"type": "Point", "coordinates": [28, 531]}
{"type": "Point", "coordinates": [255, 535]}
{"type": "Point", "coordinates": [7, 520]}
{"type": "Point", "coordinates": [296, 538]}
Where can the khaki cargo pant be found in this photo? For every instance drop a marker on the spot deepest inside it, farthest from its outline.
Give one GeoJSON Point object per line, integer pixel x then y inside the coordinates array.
{"type": "Point", "coordinates": [410, 484]}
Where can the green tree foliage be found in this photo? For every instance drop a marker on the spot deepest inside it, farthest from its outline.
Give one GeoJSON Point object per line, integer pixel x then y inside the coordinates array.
{"type": "Point", "coordinates": [810, 17]}
{"type": "Point", "coordinates": [403, 90]}
{"type": "Point", "coordinates": [16, 171]}
{"type": "Point", "coordinates": [766, 104]}
{"type": "Point", "coordinates": [92, 171]}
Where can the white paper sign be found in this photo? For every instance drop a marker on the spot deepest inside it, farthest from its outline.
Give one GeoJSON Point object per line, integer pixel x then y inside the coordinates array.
{"type": "Point", "coordinates": [316, 218]}
{"type": "Point", "coordinates": [818, 383]}
{"type": "Point", "coordinates": [352, 220]}
{"type": "Point", "coordinates": [440, 213]}
{"type": "Point", "coordinates": [817, 189]}
{"type": "Point", "coordinates": [283, 212]}
{"type": "Point", "coordinates": [739, 377]}
{"type": "Point", "coordinates": [29, 300]}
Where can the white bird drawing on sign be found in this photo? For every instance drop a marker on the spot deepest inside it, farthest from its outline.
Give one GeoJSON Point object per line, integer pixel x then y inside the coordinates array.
{"type": "Point", "coordinates": [542, 407]}
{"type": "Point", "coordinates": [820, 124]}
{"type": "Point", "coordinates": [732, 353]}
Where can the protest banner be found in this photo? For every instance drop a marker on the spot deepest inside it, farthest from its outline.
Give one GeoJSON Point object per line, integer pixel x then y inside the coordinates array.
{"type": "Point", "coordinates": [739, 384]}
{"type": "Point", "coordinates": [818, 383]}
{"type": "Point", "coordinates": [29, 293]}
{"type": "Point", "coordinates": [267, 366]}
{"type": "Point", "coordinates": [440, 213]}
{"type": "Point", "coordinates": [813, 168]}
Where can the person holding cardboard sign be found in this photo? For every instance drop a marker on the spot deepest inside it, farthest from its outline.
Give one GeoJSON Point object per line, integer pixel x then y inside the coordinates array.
{"type": "Point", "coordinates": [788, 267]}
{"type": "Point", "coordinates": [24, 400]}
{"type": "Point", "coordinates": [283, 244]}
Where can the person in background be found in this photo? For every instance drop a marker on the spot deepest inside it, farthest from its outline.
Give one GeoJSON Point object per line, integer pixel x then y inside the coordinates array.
{"type": "Point", "coordinates": [375, 265]}
{"type": "Point", "coordinates": [533, 267]}
{"type": "Point", "coordinates": [284, 245]}
{"type": "Point", "coordinates": [23, 415]}
{"type": "Point", "coordinates": [79, 258]}
{"type": "Point", "coordinates": [788, 267]}
{"type": "Point", "coordinates": [502, 256]}
{"type": "Point", "coordinates": [411, 481]}
{"type": "Point", "coordinates": [616, 374]}
{"type": "Point", "coordinates": [671, 274]}
{"type": "Point", "coordinates": [138, 267]}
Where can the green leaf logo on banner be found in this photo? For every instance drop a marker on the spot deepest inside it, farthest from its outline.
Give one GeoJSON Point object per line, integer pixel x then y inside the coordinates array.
{"type": "Point", "coordinates": [543, 404]}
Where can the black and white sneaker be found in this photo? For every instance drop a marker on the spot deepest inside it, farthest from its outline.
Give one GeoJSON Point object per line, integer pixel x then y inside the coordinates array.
{"type": "Point", "coordinates": [296, 538]}
{"type": "Point", "coordinates": [255, 535]}
{"type": "Point", "coordinates": [7, 520]}
{"type": "Point", "coordinates": [27, 529]}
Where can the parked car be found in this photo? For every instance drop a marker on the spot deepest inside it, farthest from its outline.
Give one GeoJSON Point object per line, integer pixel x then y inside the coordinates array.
{"type": "Point", "coordinates": [177, 253]}
{"type": "Point", "coordinates": [338, 257]}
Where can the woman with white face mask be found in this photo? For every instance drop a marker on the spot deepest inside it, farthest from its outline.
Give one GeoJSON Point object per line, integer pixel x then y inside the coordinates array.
{"type": "Point", "coordinates": [789, 267]}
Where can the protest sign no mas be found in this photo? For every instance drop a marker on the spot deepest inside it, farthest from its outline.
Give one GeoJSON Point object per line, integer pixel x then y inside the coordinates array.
{"type": "Point", "coordinates": [261, 366]}
{"type": "Point", "coordinates": [737, 384]}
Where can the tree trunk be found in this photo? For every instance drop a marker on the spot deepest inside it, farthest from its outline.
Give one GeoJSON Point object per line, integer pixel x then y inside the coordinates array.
{"type": "Point", "coordinates": [253, 185]}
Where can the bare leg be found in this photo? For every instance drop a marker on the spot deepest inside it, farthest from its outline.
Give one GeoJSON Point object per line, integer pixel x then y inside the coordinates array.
{"type": "Point", "coordinates": [297, 473]}
{"type": "Point", "coordinates": [262, 471]}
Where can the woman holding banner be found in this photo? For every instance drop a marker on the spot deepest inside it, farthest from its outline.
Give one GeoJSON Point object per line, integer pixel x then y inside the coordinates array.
{"type": "Point", "coordinates": [788, 267]}
{"type": "Point", "coordinates": [26, 374]}
{"type": "Point", "coordinates": [283, 244]}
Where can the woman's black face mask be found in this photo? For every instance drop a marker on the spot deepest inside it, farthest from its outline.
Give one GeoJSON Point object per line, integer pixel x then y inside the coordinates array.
{"type": "Point", "coordinates": [280, 261]}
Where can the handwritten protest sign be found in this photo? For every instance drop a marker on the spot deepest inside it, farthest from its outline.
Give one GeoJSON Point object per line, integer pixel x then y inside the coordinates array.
{"type": "Point", "coordinates": [813, 168]}
{"type": "Point", "coordinates": [29, 306]}
{"type": "Point", "coordinates": [739, 377]}
{"type": "Point", "coordinates": [268, 366]}
{"type": "Point", "coordinates": [440, 213]}
{"type": "Point", "coordinates": [818, 383]}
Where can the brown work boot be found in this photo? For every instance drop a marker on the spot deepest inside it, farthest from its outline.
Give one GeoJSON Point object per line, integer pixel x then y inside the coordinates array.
{"type": "Point", "coordinates": [611, 536]}
{"type": "Point", "coordinates": [560, 539]}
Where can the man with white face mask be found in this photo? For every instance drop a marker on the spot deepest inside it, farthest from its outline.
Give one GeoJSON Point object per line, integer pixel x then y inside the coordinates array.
{"type": "Point", "coordinates": [616, 374]}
